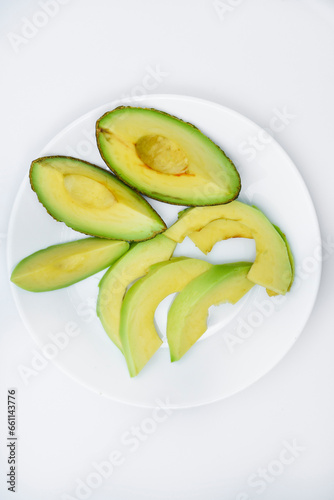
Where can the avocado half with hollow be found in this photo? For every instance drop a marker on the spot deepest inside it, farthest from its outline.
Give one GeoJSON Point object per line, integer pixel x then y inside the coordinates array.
{"type": "Point", "coordinates": [91, 200]}
{"type": "Point", "coordinates": [133, 265]}
{"type": "Point", "coordinates": [139, 337]}
{"type": "Point", "coordinates": [187, 317]}
{"type": "Point", "coordinates": [272, 267]}
{"type": "Point", "coordinates": [62, 265]}
{"type": "Point", "coordinates": [165, 158]}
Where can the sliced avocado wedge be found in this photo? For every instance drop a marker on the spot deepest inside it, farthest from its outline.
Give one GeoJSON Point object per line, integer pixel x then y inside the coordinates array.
{"type": "Point", "coordinates": [139, 337]}
{"type": "Point", "coordinates": [91, 200]}
{"type": "Point", "coordinates": [218, 230]}
{"type": "Point", "coordinates": [187, 317]}
{"type": "Point", "coordinates": [272, 267]}
{"type": "Point", "coordinates": [165, 158]}
{"type": "Point", "coordinates": [114, 283]}
{"type": "Point", "coordinates": [62, 265]}
{"type": "Point", "coordinates": [223, 229]}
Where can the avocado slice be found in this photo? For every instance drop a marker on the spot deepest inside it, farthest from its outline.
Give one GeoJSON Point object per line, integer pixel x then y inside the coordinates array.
{"type": "Point", "coordinates": [62, 265]}
{"type": "Point", "coordinates": [218, 230]}
{"type": "Point", "coordinates": [272, 267]}
{"type": "Point", "coordinates": [139, 337]}
{"type": "Point", "coordinates": [187, 317]}
{"type": "Point", "coordinates": [165, 158]}
{"type": "Point", "coordinates": [91, 200]}
{"type": "Point", "coordinates": [223, 229]}
{"type": "Point", "coordinates": [133, 265]}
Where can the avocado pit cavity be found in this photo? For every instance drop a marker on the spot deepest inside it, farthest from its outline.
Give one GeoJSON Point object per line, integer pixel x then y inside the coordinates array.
{"type": "Point", "coordinates": [162, 154]}
{"type": "Point", "coordinates": [88, 192]}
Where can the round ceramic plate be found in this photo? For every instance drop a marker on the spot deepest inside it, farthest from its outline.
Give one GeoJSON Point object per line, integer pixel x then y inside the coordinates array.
{"type": "Point", "coordinates": [243, 342]}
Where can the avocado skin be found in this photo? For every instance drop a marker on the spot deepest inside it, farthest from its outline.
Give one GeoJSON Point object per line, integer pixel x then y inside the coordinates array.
{"type": "Point", "coordinates": [40, 159]}
{"type": "Point", "coordinates": [151, 194]}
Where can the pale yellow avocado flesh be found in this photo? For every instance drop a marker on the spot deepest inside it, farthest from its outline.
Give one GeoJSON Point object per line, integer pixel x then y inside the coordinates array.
{"type": "Point", "coordinates": [272, 267]}
{"type": "Point", "coordinates": [223, 229]}
{"type": "Point", "coordinates": [91, 200]}
{"type": "Point", "coordinates": [165, 157]}
{"type": "Point", "coordinates": [139, 337]}
{"type": "Point", "coordinates": [218, 230]}
{"type": "Point", "coordinates": [187, 317]}
{"type": "Point", "coordinates": [115, 282]}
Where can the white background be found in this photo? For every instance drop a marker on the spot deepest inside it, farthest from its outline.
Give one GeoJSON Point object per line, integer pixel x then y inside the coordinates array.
{"type": "Point", "coordinates": [255, 57]}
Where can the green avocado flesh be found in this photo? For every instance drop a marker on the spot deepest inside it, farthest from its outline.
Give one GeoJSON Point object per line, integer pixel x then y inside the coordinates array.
{"type": "Point", "coordinates": [135, 264]}
{"type": "Point", "coordinates": [187, 317]}
{"type": "Point", "coordinates": [139, 337]}
{"type": "Point", "coordinates": [62, 265]}
{"type": "Point", "coordinates": [165, 158]}
{"type": "Point", "coordinates": [91, 200]}
{"type": "Point", "coordinates": [207, 225]}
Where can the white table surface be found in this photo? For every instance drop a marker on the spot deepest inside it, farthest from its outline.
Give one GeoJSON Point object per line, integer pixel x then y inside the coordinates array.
{"type": "Point", "coordinates": [257, 56]}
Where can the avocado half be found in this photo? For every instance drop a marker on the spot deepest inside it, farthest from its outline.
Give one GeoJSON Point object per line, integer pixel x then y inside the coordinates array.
{"type": "Point", "coordinates": [273, 267]}
{"type": "Point", "coordinates": [165, 157]}
{"type": "Point", "coordinates": [187, 317]}
{"type": "Point", "coordinates": [91, 200]}
{"type": "Point", "coordinates": [59, 266]}
{"type": "Point", "coordinates": [140, 339]}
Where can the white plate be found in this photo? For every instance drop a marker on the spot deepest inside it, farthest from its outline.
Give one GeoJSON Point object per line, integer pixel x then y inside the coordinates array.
{"type": "Point", "coordinates": [243, 342]}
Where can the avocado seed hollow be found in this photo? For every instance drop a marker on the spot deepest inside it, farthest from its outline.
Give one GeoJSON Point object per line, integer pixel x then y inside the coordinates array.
{"type": "Point", "coordinates": [162, 154]}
